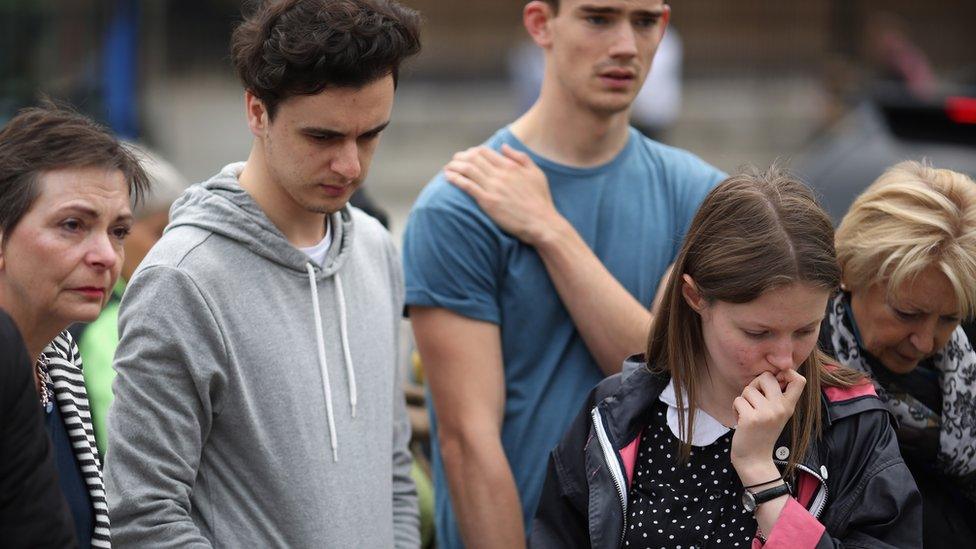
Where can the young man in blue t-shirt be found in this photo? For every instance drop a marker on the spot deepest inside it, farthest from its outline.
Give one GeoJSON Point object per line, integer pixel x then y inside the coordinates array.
{"type": "Point", "coordinates": [531, 263]}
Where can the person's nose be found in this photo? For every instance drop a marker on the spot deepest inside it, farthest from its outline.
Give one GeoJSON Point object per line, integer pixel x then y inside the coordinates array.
{"type": "Point", "coordinates": [102, 253]}
{"type": "Point", "coordinates": [923, 338]}
{"type": "Point", "coordinates": [780, 356]}
{"type": "Point", "coordinates": [346, 162]}
{"type": "Point", "coordinates": [625, 43]}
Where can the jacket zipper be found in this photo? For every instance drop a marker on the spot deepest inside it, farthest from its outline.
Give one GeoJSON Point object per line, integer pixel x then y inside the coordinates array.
{"type": "Point", "coordinates": [610, 457]}
{"type": "Point", "coordinates": [823, 484]}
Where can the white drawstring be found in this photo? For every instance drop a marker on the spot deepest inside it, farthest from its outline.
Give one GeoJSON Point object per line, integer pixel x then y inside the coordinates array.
{"type": "Point", "coordinates": [344, 334]}
{"type": "Point", "coordinates": [333, 438]}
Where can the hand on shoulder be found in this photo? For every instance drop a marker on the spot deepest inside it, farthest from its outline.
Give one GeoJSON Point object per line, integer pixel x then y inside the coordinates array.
{"type": "Point", "coordinates": [510, 188]}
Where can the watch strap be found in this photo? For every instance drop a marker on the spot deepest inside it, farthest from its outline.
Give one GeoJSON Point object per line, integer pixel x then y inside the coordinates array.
{"type": "Point", "coordinates": [768, 494]}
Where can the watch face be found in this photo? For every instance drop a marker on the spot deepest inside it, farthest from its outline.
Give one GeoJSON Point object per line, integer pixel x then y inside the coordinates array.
{"type": "Point", "coordinates": [748, 501]}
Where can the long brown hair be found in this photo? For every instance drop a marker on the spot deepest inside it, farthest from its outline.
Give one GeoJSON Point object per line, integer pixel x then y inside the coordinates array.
{"type": "Point", "coordinates": [755, 231]}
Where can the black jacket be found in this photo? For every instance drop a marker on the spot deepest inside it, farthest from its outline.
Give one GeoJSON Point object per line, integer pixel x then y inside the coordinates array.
{"type": "Point", "coordinates": [853, 483]}
{"type": "Point", "coordinates": [33, 512]}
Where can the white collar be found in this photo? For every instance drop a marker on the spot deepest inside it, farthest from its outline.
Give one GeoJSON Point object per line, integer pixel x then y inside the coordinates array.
{"type": "Point", "coordinates": [707, 429]}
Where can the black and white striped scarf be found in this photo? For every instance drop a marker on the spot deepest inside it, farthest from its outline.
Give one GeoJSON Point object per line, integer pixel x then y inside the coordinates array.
{"type": "Point", "coordinates": [956, 366]}
{"type": "Point", "coordinates": [64, 366]}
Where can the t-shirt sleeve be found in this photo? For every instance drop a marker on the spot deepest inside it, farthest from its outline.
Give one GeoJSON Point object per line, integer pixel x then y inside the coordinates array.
{"type": "Point", "coordinates": [451, 259]}
{"type": "Point", "coordinates": [693, 180]}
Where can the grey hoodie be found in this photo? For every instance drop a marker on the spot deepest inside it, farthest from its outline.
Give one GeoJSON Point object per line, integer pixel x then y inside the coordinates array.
{"type": "Point", "coordinates": [257, 401]}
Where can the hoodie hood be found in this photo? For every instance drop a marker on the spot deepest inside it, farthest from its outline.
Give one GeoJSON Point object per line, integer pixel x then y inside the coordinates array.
{"type": "Point", "coordinates": [222, 206]}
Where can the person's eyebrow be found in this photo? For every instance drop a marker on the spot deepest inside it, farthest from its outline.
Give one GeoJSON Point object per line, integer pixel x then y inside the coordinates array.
{"type": "Point", "coordinates": [89, 212]}
{"type": "Point", "coordinates": [812, 324]}
{"type": "Point", "coordinates": [598, 10]}
{"type": "Point", "coordinates": [326, 132]}
{"type": "Point", "coordinates": [608, 10]}
{"type": "Point", "coordinates": [80, 209]}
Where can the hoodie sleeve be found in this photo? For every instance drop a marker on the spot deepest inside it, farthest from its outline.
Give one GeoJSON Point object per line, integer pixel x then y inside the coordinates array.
{"type": "Point", "coordinates": [166, 394]}
{"type": "Point", "coordinates": [406, 517]}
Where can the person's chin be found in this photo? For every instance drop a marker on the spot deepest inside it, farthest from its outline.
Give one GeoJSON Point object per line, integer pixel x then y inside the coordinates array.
{"type": "Point", "coordinates": [87, 312]}
{"type": "Point", "coordinates": [611, 103]}
{"type": "Point", "coordinates": [899, 363]}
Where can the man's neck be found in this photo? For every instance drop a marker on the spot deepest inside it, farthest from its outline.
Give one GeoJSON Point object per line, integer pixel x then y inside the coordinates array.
{"type": "Point", "coordinates": [562, 130]}
{"type": "Point", "coordinates": [301, 227]}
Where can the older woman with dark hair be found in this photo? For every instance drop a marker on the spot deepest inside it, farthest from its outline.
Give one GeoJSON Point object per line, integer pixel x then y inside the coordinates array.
{"type": "Point", "coordinates": [907, 251]}
{"type": "Point", "coordinates": [65, 190]}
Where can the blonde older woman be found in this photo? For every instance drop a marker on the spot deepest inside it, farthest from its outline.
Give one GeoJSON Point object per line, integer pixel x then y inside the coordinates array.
{"type": "Point", "coordinates": [907, 251]}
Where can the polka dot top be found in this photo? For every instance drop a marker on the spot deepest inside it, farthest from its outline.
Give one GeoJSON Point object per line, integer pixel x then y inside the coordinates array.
{"type": "Point", "coordinates": [685, 505]}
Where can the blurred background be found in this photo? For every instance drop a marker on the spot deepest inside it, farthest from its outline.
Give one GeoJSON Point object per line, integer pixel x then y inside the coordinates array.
{"type": "Point", "coordinates": [839, 88]}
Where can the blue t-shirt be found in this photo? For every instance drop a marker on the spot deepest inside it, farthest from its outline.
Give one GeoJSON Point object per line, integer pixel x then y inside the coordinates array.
{"type": "Point", "coordinates": [632, 212]}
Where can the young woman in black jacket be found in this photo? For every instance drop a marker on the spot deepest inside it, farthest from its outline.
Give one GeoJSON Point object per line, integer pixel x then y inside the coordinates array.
{"type": "Point", "coordinates": [736, 431]}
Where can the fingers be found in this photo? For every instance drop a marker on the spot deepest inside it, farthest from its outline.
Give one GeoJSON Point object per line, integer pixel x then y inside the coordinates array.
{"type": "Point", "coordinates": [481, 164]}
{"type": "Point", "coordinates": [468, 169]}
{"type": "Point", "coordinates": [768, 385]}
{"type": "Point", "coordinates": [753, 396]}
{"type": "Point", "coordinates": [486, 159]}
{"type": "Point", "coordinates": [465, 183]}
{"type": "Point", "coordinates": [794, 386]}
{"type": "Point", "coordinates": [742, 407]}
{"type": "Point", "coordinates": [518, 157]}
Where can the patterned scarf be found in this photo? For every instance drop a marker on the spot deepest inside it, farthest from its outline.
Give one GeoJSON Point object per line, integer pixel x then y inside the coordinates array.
{"type": "Point", "coordinates": [956, 366]}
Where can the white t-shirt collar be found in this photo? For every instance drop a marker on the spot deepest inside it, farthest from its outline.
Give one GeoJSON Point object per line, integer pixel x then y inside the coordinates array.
{"type": "Point", "coordinates": [318, 252]}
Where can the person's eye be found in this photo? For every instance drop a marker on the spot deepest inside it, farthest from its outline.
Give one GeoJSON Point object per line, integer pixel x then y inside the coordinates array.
{"type": "Point", "coordinates": [121, 232]}
{"type": "Point", "coordinates": [645, 22]}
{"type": "Point", "coordinates": [597, 20]}
{"type": "Point", "coordinates": [904, 315]}
{"type": "Point", "coordinates": [756, 335]}
{"type": "Point", "coordinates": [805, 332]}
{"type": "Point", "coordinates": [72, 225]}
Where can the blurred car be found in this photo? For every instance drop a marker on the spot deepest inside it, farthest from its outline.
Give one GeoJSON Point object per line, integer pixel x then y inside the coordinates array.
{"type": "Point", "coordinates": [883, 130]}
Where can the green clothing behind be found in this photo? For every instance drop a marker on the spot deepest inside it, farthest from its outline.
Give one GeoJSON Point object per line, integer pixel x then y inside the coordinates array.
{"type": "Point", "coordinates": [97, 345]}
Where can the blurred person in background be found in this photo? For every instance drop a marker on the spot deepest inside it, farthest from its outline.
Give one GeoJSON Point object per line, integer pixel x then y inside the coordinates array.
{"type": "Point", "coordinates": [65, 191]}
{"type": "Point", "coordinates": [258, 400]}
{"type": "Point", "coordinates": [98, 340]}
{"type": "Point", "coordinates": [907, 250]}
{"type": "Point", "coordinates": [531, 263]}
{"type": "Point", "coordinates": [33, 512]}
{"type": "Point", "coordinates": [896, 58]}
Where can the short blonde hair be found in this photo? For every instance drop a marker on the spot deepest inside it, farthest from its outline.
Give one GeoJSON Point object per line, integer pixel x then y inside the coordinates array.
{"type": "Point", "coordinates": [912, 217]}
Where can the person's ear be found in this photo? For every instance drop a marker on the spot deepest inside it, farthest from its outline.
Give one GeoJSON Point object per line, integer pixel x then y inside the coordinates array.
{"type": "Point", "coordinates": [537, 17]}
{"type": "Point", "coordinates": [3, 245]}
{"type": "Point", "coordinates": [258, 119]}
{"type": "Point", "coordinates": [689, 291]}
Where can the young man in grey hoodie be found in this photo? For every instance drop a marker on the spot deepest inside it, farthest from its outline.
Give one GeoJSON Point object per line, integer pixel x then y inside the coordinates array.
{"type": "Point", "coordinates": [257, 401]}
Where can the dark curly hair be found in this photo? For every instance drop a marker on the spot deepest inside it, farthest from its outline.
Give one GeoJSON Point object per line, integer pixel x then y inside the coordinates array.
{"type": "Point", "coordinates": [300, 47]}
{"type": "Point", "coordinates": [53, 137]}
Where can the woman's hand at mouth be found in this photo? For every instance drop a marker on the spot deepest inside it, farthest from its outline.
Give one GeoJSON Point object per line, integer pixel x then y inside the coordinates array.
{"type": "Point", "coordinates": [763, 409]}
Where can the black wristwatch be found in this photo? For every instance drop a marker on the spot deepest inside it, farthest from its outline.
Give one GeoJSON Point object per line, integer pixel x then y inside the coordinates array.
{"type": "Point", "coordinates": [752, 500]}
